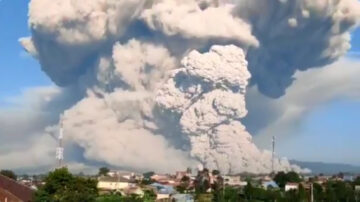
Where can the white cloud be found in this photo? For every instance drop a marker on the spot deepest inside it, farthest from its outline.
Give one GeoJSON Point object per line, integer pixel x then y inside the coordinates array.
{"type": "Point", "coordinates": [37, 153]}
{"type": "Point", "coordinates": [26, 114]}
{"type": "Point", "coordinates": [26, 142]}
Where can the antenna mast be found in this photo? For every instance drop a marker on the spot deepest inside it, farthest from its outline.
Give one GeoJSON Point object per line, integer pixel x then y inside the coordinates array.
{"type": "Point", "coordinates": [60, 148]}
{"type": "Point", "coordinates": [273, 154]}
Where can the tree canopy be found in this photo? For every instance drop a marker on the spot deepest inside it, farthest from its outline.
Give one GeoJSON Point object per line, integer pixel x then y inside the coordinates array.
{"type": "Point", "coordinates": [281, 178]}
{"type": "Point", "coordinates": [103, 171]}
{"type": "Point", "coordinates": [62, 186]}
{"type": "Point", "coordinates": [149, 174]}
{"type": "Point", "coordinates": [9, 174]}
{"type": "Point", "coordinates": [149, 196]}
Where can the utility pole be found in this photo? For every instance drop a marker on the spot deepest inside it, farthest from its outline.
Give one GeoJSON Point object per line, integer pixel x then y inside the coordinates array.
{"type": "Point", "coordinates": [312, 192]}
{"type": "Point", "coordinates": [60, 148]}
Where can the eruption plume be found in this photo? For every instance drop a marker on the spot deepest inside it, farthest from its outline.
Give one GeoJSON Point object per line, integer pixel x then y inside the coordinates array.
{"type": "Point", "coordinates": [163, 83]}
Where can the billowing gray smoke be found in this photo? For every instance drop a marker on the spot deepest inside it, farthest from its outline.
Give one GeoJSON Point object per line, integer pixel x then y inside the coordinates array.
{"type": "Point", "coordinates": [165, 81]}
{"type": "Point", "coordinates": [295, 35]}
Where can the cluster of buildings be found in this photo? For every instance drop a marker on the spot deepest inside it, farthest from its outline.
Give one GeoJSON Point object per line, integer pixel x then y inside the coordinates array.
{"type": "Point", "coordinates": [307, 181]}
{"type": "Point", "coordinates": [165, 186]}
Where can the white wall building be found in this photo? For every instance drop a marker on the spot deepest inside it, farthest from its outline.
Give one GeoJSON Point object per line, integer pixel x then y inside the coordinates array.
{"type": "Point", "coordinates": [234, 181]}
{"type": "Point", "coordinates": [291, 186]}
{"type": "Point", "coordinates": [113, 183]}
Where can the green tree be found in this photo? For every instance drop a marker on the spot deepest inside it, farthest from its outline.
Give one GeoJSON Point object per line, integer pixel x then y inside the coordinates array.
{"type": "Point", "coordinates": [340, 191]}
{"type": "Point", "coordinates": [110, 198]}
{"type": "Point", "coordinates": [148, 175]}
{"type": "Point", "coordinates": [62, 186]}
{"type": "Point", "coordinates": [318, 192]}
{"type": "Point", "coordinates": [119, 198]}
{"type": "Point", "coordinates": [231, 194]}
{"type": "Point", "coordinates": [330, 194]}
{"type": "Point", "coordinates": [343, 191]}
{"type": "Point", "coordinates": [149, 196]}
{"type": "Point", "coordinates": [202, 181]}
{"type": "Point", "coordinates": [356, 181]}
{"type": "Point", "coordinates": [147, 178]}
{"type": "Point", "coordinates": [281, 178]}
{"type": "Point", "coordinates": [215, 172]}
{"type": "Point", "coordinates": [302, 195]}
{"type": "Point", "coordinates": [293, 177]}
{"type": "Point", "coordinates": [249, 191]}
{"type": "Point", "coordinates": [103, 171]}
{"type": "Point", "coordinates": [8, 173]}
{"type": "Point", "coordinates": [292, 196]}
{"type": "Point", "coordinates": [184, 184]}
{"type": "Point", "coordinates": [204, 197]}
{"type": "Point", "coordinates": [218, 187]}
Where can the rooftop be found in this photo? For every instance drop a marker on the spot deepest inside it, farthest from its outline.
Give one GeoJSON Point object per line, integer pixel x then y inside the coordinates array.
{"type": "Point", "coordinates": [20, 191]}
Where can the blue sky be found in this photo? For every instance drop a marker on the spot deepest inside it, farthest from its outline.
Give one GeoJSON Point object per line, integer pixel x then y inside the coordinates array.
{"type": "Point", "coordinates": [330, 133]}
{"type": "Point", "coordinates": [17, 70]}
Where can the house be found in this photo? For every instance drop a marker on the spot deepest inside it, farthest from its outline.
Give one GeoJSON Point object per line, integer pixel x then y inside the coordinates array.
{"type": "Point", "coordinates": [125, 174]}
{"type": "Point", "coordinates": [182, 198]}
{"type": "Point", "coordinates": [234, 181]}
{"type": "Point", "coordinates": [163, 198]}
{"type": "Point", "coordinates": [322, 179]}
{"type": "Point", "coordinates": [108, 183]}
{"type": "Point", "coordinates": [306, 185]}
{"type": "Point", "coordinates": [12, 191]}
{"type": "Point", "coordinates": [180, 174]}
{"type": "Point", "coordinates": [133, 190]}
{"type": "Point", "coordinates": [357, 188]}
{"type": "Point", "coordinates": [291, 186]}
{"type": "Point", "coordinates": [269, 185]}
{"type": "Point", "coordinates": [165, 179]}
{"type": "Point", "coordinates": [162, 191]}
{"type": "Point", "coordinates": [348, 178]}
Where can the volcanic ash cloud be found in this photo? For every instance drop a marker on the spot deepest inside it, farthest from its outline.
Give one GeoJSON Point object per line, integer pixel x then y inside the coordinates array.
{"type": "Point", "coordinates": [134, 102]}
{"type": "Point", "coordinates": [208, 96]}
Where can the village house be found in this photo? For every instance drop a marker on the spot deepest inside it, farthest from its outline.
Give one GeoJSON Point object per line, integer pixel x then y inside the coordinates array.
{"type": "Point", "coordinates": [163, 191]}
{"type": "Point", "coordinates": [127, 175]}
{"type": "Point", "coordinates": [182, 198]}
{"type": "Point", "coordinates": [357, 188]}
{"type": "Point", "coordinates": [322, 179]}
{"type": "Point", "coordinates": [234, 181]}
{"type": "Point", "coordinates": [269, 184]}
{"type": "Point", "coordinates": [12, 191]}
{"type": "Point", "coordinates": [115, 183]}
{"type": "Point", "coordinates": [291, 186]}
{"type": "Point", "coordinates": [165, 179]}
{"type": "Point", "coordinates": [180, 174]}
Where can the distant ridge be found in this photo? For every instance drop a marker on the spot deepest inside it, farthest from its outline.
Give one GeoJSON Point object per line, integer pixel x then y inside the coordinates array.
{"type": "Point", "coordinates": [327, 168]}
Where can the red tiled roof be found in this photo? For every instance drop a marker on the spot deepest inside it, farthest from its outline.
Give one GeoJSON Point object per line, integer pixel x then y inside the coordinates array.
{"type": "Point", "coordinates": [22, 192]}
